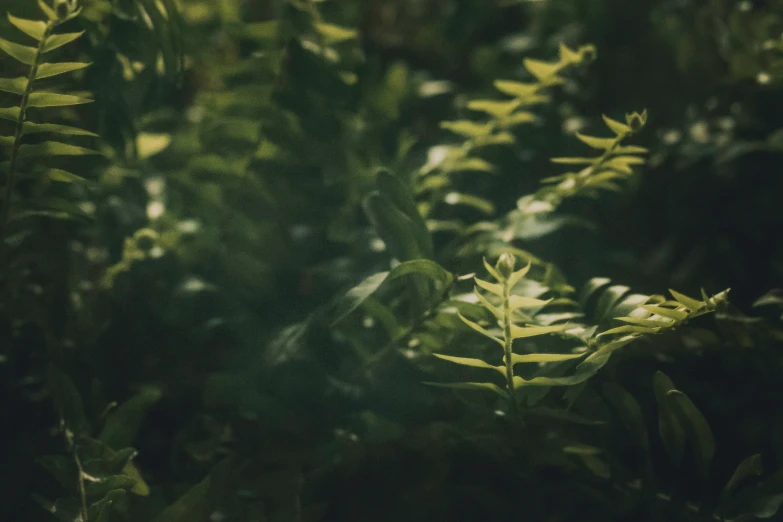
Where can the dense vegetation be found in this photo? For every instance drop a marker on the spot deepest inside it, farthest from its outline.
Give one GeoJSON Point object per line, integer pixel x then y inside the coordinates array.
{"type": "Point", "coordinates": [383, 260]}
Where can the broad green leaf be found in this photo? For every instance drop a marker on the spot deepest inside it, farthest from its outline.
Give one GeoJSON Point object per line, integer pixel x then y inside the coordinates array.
{"type": "Point", "coordinates": [746, 469]}
{"type": "Point", "coordinates": [517, 89]}
{"type": "Point", "coordinates": [54, 148]}
{"type": "Point", "coordinates": [23, 53]}
{"type": "Point", "coordinates": [9, 113]}
{"type": "Point", "coordinates": [670, 313]}
{"type": "Point", "coordinates": [471, 386]}
{"type": "Point", "coordinates": [688, 302]}
{"type": "Point", "coordinates": [14, 86]}
{"type": "Point", "coordinates": [50, 99]}
{"type": "Point", "coordinates": [47, 70]}
{"type": "Point", "coordinates": [392, 188]}
{"type": "Point", "coordinates": [544, 357]}
{"type": "Point", "coordinates": [357, 295]}
{"type": "Point", "coordinates": [490, 287]}
{"type": "Point", "coordinates": [621, 129]}
{"type": "Point", "coordinates": [669, 428]}
{"type": "Point", "coordinates": [497, 109]}
{"type": "Point", "coordinates": [520, 332]}
{"type": "Point", "coordinates": [123, 424]}
{"type": "Point", "coordinates": [36, 128]}
{"type": "Point", "coordinates": [597, 143]}
{"type": "Point", "coordinates": [33, 28]}
{"type": "Point", "coordinates": [394, 227]}
{"type": "Point", "coordinates": [629, 411]}
{"type": "Point", "coordinates": [58, 40]}
{"type": "Point", "coordinates": [543, 71]}
{"type": "Point", "coordinates": [335, 33]}
{"type": "Point", "coordinates": [696, 426]}
{"type": "Point", "coordinates": [466, 361]}
{"type": "Point", "coordinates": [480, 329]}
{"type": "Point", "coordinates": [198, 504]}
{"type": "Point", "coordinates": [425, 267]}
{"type": "Point", "coordinates": [467, 128]}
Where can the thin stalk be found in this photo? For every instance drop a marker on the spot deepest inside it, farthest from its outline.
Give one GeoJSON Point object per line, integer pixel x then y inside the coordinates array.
{"type": "Point", "coordinates": [9, 184]}
{"type": "Point", "coordinates": [508, 343]}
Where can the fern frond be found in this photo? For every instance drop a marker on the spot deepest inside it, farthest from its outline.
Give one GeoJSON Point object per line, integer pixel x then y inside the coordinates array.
{"type": "Point", "coordinates": [24, 87]}
{"type": "Point", "coordinates": [502, 117]}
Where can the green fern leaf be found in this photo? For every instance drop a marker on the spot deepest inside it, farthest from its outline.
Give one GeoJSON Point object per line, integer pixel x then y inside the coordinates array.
{"type": "Point", "coordinates": [13, 86]}
{"type": "Point", "coordinates": [22, 53]}
{"type": "Point", "coordinates": [58, 40]}
{"type": "Point", "coordinates": [467, 361]}
{"type": "Point", "coordinates": [50, 99]}
{"type": "Point", "coordinates": [33, 28]}
{"type": "Point", "coordinates": [47, 70]}
{"type": "Point", "coordinates": [53, 148]}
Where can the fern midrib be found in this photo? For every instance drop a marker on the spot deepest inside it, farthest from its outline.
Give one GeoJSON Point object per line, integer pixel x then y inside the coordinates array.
{"type": "Point", "coordinates": [19, 132]}
{"type": "Point", "coordinates": [508, 343]}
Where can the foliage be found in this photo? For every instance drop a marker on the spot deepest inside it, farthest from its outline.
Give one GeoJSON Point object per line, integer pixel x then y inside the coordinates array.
{"type": "Point", "coordinates": [299, 235]}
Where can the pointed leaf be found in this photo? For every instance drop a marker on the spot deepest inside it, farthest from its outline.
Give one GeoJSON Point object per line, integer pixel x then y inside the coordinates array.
{"type": "Point", "coordinates": [62, 176]}
{"type": "Point", "coordinates": [517, 276]}
{"type": "Point", "coordinates": [48, 11]}
{"type": "Point", "coordinates": [58, 40]}
{"type": "Point", "coordinates": [33, 28]}
{"type": "Point", "coordinates": [36, 128]}
{"type": "Point", "coordinates": [335, 33]}
{"type": "Point", "coordinates": [497, 109]}
{"type": "Point", "coordinates": [520, 301]}
{"type": "Point", "coordinates": [629, 329]}
{"type": "Point", "coordinates": [676, 315]}
{"type": "Point", "coordinates": [648, 323]}
{"type": "Point", "coordinates": [476, 164]}
{"type": "Point", "coordinates": [574, 161]}
{"type": "Point", "coordinates": [480, 329]}
{"type": "Point", "coordinates": [467, 128]}
{"type": "Point", "coordinates": [14, 86]}
{"type": "Point", "coordinates": [597, 143]}
{"type": "Point", "coordinates": [470, 386]}
{"type": "Point", "coordinates": [54, 148]}
{"type": "Point", "coordinates": [494, 273]}
{"type": "Point", "coordinates": [695, 424]}
{"type": "Point", "coordinates": [357, 295]}
{"type": "Point", "coordinates": [50, 99]}
{"type": "Point", "coordinates": [618, 128]}
{"type": "Point", "coordinates": [544, 357]}
{"type": "Point", "coordinates": [482, 205]}
{"type": "Point", "coordinates": [688, 302]}
{"type": "Point", "coordinates": [9, 113]}
{"type": "Point", "coordinates": [47, 70]}
{"type": "Point", "coordinates": [466, 361]}
{"type": "Point", "coordinates": [541, 70]}
{"type": "Point", "coordinates": [520, 332]}
{"type": "Point", "coordinates": [497, 312]}
{"type": "Point", "coordinates": [123, 424]}
{"type": "Point", "coordinates": [23, 53]}
{"type": "Point", "coordinates": [746, 469]}
{"type": "Point", "coordinates": [490, 287]}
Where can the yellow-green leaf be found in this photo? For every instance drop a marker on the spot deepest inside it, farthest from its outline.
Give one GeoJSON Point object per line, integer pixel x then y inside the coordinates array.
{"type": "Point", "coordinates": [497, 312]}
{"type": "Point", "coordinates": [14, 86]}
{"type": "Point", "coordinates": [472, 164]}
{"type": "Point", "coordinates": [9, 113]}
{"type": "Point", "coordinates": [335, 33]}
{"type": "Point", "coordinates": [480, 330]}
{"type": "Point", "coordinates": [47, 70]}
{"type": "Point", "coordinates": [62, 176]}
{"type": "Point", "coordinates": [150, 144]}
{"type": "Point", "coordinates": [498, 109]}
{"type": "Point", "coordinates": [519, 274]}
{"type": "Point", "coordinates": [470, 386]}
{"type": "Point", "coordinates": [518, 118]}
{"type": "Point", "coordinates": [521, 301]}
{"type": "Point", "coordinates": [520, 332]}
{"type": "Point", "coordinates": [543, 71]}
{"type": "Point", "coordinates": [33, 28]}
{"type": "Point", "coordinates": [54, 148]}
{"type": "Point", "coordinates": [688, 302]}
{"type": "Point", "coordinates": [467, 128]}
{"type": "Point", "coordinates": [630, 329]}
{"type": "Point", "coordinates": [48, 11]}
{"type": "Point", "coordinates": [23, 53]}
{"type": "Point", "coordinates": [36, 128]}
{"type": "Point", "coordinates": [574, 161]}
{"type": "Point", "coordinates": [50, 99]}
{"type": "Point", "coordinates": [467, 361]}
{"type": "Point", "coordinates": [597, 143]}
{"type": "Point", "coordinates": [677, 315]}
{"type": "Point", "coordinates": [490, 287]}
{"type": "Point", "coordinates": [648, 323]}
{"type": "Point", "coordinates": [618, 128]}
{"type": "Point", "coordinates": [58, 40]}
{"type": "Point", "coordinates": [544, 357]}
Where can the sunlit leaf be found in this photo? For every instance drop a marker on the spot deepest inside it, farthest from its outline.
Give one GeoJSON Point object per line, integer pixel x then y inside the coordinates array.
{"type": "Point", "coordinates": [618, 128]}
{"type": "Point", "coordinates": [335, 33]}
{"type": "Point", "coordinates": [597, 143]}
{"type": "Point", "coordinates": [14, 86]}
{"type": "Point", "coordinates": [544, 357]}
{"type": "Point", "coordinates": [150, 144]}
{"type": "Point", "coordinates": [37, 128]}
{"type": "Point", "coordinates": [23, 53]}
{"type": "Point", "coordinates": [520, 332]}
{"type": "Point", "coordinates": [9, 113]}
{"type": "Point", "coordinates": [47, 70]}
{"type": "Point", "coordinates": [480, 329]}
{"type": "Point", "coordinates": [490, 287]}
{"type": "Point", "coordinates": [466, 361]}
{"type": "Point", "coordinates": [467, 128]}
{"type": "Point", "coordinates": [691, 304]}
{"type": "Point", "coordinates": [517, 89]}
{"type": "Point", "coordinates": [54, 148]}
{"type": "Point", "coordinates": [33, 28]}
{"type": "Point", "coordinates": [58, 40]}
{"type": "Point", "coordinates": [50, 99]}
{"type": "Point", "coordinates": [495, 108]}
{"type": "Point", "coordinates": [543, 71]}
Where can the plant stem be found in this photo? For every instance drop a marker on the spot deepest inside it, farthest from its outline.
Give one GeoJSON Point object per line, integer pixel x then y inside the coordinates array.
{"type": "Point", "coordinates": [18, 133]}
{"type": "Point", "coordinates": [508, 344]}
